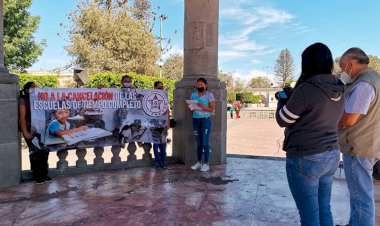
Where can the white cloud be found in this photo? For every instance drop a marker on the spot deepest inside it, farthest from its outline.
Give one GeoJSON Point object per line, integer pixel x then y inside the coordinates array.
{"type": "Point", "coordinates": [232, 54]}
{"type": "Point", "coordinates": [245, 18]}
{"type": "Point", "coordinates": [174, 50]}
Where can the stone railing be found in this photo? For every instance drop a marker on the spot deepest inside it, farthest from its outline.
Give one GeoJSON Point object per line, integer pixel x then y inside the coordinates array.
{"type": "Point", "coordinates": [81, 165]}
{"type": "Point", "coordinates": [259, 113]}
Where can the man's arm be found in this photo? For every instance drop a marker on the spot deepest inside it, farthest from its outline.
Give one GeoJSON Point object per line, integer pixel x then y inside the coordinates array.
{"type": "Point", "coordinates": [349, 119]}
{"type": "Point", "coordinates": [357, 103]}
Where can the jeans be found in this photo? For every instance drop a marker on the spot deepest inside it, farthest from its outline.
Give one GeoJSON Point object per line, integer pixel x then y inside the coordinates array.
{"type": "Point", "coordinates": [159, 157]}
{"type": "Point", "coordinates": [310, 181]}
{"type": "Point", "coordinates": [358, 173]}
{"type": "Point", "coordinates": [202, 127]}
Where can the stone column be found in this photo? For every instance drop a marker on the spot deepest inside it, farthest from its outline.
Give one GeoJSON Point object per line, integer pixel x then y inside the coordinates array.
{"type": "Point", "coordinates": [10, 154]}
{"type": "Point", "coordinates": [200, 60]}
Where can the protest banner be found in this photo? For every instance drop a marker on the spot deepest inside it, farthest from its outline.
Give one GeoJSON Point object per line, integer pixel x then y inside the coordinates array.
{"type": "Point", "coordinates": [71, 118]}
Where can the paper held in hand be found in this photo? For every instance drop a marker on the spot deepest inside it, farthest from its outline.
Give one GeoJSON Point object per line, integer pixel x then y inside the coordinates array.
{"type": "Point", "coordinates": [193, 105]}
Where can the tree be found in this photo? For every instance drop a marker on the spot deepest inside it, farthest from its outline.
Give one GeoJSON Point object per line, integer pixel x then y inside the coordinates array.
{"type": "Point", "coordinates": [142, 10]}
{"type": "Point", "coordinates": [374, 63]}
{"type": "Point", "coordinates": [284, 67]}
{"type": "Point", "coordinates": [260, 82]}
{"type": "Point", "coordinates": [227, 78]}
{"type": "Point", "coordinates": [111, 39]}
{"type": "Point", "coordinates": [239, 85]}
{"type": "Point", "coordinates": [173, 67]}
{"type": "Point", "coordinates": [20, 49]}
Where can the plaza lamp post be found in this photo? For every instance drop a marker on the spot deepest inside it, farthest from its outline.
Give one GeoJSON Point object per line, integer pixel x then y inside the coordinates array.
{"type": "Point", "coordinates": [162, 18]}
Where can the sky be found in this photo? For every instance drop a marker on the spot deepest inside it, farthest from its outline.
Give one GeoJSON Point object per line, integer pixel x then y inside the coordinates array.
{"type": "Point", "coordinates": [251, 32]}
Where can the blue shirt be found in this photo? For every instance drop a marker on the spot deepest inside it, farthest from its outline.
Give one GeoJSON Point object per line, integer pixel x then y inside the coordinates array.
{"type": "Point", "coordinates": [205, 100]}
{"type": "Point", "coordinates": [359, 98]}
{"type": "Point", "coordinates": [55, 126]}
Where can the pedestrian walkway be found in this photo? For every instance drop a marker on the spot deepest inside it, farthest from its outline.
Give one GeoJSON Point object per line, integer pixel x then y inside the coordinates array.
{"type": "Point", "coordinates": [243, 192]}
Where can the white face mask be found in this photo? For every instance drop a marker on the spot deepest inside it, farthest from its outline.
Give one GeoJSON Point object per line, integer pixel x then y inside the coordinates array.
{"type": "Point", "coordinates": [127, 85]}
{"type": "Point", "coordinates": [345, 77]}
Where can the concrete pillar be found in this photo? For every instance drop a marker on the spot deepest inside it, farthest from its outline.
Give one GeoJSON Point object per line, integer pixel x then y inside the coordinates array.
{"type": "Point", "coordinates": [200, 60]}
{"type": "Point", "coordinates": [10, 154]}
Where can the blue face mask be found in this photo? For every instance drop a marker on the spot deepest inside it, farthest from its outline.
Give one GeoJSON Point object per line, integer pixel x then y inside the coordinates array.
{"type": "Point", "coordinates": [127, 85]}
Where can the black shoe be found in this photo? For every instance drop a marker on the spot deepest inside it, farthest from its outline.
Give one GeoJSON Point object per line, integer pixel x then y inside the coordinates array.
{"type": "Point", "coordinates": [47, 179]}
{"type": "Point", "coordinates": [39, 181]}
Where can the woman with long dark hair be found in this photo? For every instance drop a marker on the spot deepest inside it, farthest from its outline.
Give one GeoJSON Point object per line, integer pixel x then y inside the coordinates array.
{"type": "Point", "coordinates": [38, 155]}
{"type": "Point", "coordinates": [311, 114]}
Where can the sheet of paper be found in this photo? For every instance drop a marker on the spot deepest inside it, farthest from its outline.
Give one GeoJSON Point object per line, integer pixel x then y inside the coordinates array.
{"type": "Point", "coordinates": [88, 134]}
{"type": "Point", "coordinates": [193, 105]}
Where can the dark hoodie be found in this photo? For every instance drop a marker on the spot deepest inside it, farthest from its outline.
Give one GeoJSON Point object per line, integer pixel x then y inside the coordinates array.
{"type": "Point", "coordinates": [311, 116]}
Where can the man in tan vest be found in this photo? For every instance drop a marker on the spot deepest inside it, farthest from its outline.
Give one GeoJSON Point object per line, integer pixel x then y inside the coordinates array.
{"type": "Point", "coordinates": [359, 135]}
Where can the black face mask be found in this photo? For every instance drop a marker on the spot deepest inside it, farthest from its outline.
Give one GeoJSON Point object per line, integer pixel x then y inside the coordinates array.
{"type": "Point", "coordinates": [201, 89]}
{"type": "Point", "coordinates": [160, 88]}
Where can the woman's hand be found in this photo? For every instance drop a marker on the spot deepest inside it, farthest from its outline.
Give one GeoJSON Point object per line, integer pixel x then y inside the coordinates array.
{"type": "Point", "coordinates": [201, 105]}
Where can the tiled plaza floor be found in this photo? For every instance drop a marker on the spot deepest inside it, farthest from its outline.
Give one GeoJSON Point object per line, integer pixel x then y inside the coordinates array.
{"type": "Point", "coordinates": [243, 192]}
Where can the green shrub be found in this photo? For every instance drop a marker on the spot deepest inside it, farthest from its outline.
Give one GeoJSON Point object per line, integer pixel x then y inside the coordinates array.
{"type": "Point", "coordinates": [112, 80]}
{"type": "Point", "coordinates": [231, 97]}
{"type": "Point", "coordinates": [256, 99]}
{"type": "Point", "coordinates": [50, 81]}
{"type": "Point", "coordinates": [245, 97]}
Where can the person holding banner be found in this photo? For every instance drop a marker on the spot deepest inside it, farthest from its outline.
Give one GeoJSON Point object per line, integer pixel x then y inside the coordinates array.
{"type": "Point", "coordinates": [160, 157]}
{"type": "Point", "coordinates": [126, 84]}
{"type": "Point", "coordinates": [37, 154]}
{"type": "Point", "coordinates": [202, 104]}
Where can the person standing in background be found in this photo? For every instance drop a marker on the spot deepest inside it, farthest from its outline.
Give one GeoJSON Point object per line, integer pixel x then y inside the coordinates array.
{"type": "Point", "coordinates": [37, 154]}
{"type": "Point", "coordinates": [159, 149]}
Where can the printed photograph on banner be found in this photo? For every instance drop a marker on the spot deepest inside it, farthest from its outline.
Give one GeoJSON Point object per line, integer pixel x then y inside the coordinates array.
{"type": "Point", "coordinates": [88, 117]}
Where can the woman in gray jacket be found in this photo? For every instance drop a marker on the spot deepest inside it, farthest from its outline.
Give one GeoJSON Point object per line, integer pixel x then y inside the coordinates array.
{"type": "Point", "coordinates": [311, 113]}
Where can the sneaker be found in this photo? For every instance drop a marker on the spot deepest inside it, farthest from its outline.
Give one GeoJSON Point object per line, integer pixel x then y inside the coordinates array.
{"type": "Point", "coordinates": [196, 166]}
{"type": "Point", "coordinates": [204, 168]}
{"type": "Point", "coordinates": [47, 179]}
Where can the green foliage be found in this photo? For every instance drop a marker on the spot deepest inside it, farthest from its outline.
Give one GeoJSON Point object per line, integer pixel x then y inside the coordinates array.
{"type": "Point", "coordinates": [245, 97]}
{"type": "Point", "coordinates": [284, 67]}
{"type": "Point", "coordinates": [374, 63]}
{"type": "Point", "coordinates": [20, 49]}
{"type": "Point", "coordinates": [256, 99]}
{"type": "Point", "coordinates": [260, 82]}
{"type": "Point", "coordinates": [112, 80]}
{"type": "Point", "coordinates": [49, 81]}
{"type": "Point", "coordinates": [111, 39]}
{"type": "Point", "coordinates": [173, 67]}
{"type": "Point", "coordinates": [231, 97]}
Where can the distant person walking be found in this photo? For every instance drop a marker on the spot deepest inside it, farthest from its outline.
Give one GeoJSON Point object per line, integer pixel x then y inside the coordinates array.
{"type": "Point", "coordinates": [202, 123]}
{"type": "Point", "coordinates": [360, 133]}
{"type": "Point", "coordinates": [237, 107]}
{"type": "Point", "coordinates": [232, 112]}
{"type": "Point", "coordinates": [311, 114]}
